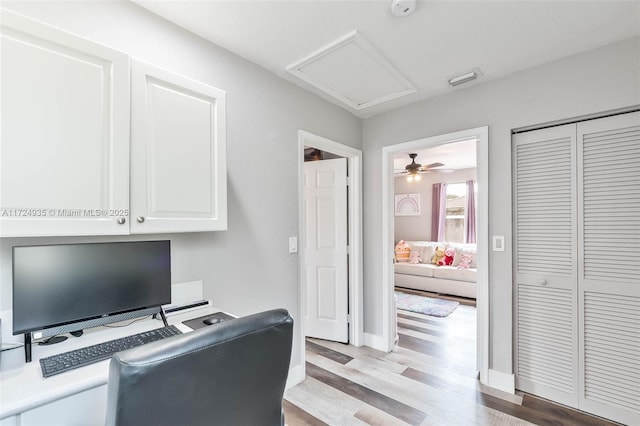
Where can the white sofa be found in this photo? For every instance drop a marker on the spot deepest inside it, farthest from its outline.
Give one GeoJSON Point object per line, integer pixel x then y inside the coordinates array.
{"type": "Point", "coordinates": [438, 279]}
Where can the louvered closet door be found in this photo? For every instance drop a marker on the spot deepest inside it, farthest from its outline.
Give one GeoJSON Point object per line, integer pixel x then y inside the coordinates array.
{"type": "Point", "coordinates": [545, 258]}
{"type": "Point", "coordinates": [609, 277]}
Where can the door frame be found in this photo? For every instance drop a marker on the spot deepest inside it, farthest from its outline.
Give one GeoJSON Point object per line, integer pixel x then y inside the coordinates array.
{"type": "Point", "coordinates": [354, 220]}
{"type": "Point", "coordinates": [389, 324]}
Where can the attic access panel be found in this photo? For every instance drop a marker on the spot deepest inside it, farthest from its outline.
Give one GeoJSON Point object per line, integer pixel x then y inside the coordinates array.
{"type": "Point", "coordinates": [353, 72]}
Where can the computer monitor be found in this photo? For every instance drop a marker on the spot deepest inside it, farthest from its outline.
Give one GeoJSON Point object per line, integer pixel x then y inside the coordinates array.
{"type": "Point", "coordinates": [67, 287]}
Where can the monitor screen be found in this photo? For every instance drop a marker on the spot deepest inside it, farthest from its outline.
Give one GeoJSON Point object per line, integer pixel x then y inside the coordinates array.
{"type": "Point", "coordinates": [55, 285]}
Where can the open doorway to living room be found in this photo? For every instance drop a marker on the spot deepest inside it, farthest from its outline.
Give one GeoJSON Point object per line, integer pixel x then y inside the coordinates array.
{"type": "Point", "coordinates": [437, 238]}
{"type": "Point", "coordinates": [435, 249]}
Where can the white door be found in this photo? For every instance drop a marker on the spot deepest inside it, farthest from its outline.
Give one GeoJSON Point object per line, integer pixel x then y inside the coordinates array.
{"type": "Point", "coordinates": [65, 133]}
{"type": "Point", "coordinates": [545, 262]}
{"type": "Point", "coordinates": [178, 153]}
{"type": "Point", "coordinates": [609, 266]}
{"type": "Point", "coordinates": [326, 274]}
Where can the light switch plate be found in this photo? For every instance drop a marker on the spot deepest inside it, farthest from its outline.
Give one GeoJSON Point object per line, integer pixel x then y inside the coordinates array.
{"type": "Point", "coordinates": [293, 244]}
{"type": "Point", "coordinates": [498, 243]}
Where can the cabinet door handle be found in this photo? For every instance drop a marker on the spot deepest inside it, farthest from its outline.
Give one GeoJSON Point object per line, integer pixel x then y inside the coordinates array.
{"type": "Point", "coordinates": [121, 220]}
{"type": "Point", "coordinates": [542, 281]}
{"type": "Point", "coordinates": [140, 219]}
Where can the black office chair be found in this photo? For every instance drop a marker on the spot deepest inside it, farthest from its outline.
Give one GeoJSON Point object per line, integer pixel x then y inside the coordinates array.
{"type": "Point", "coordinates": [232, 373]}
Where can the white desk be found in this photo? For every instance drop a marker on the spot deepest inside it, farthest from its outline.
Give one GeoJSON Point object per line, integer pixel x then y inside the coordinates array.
{"type": "Point", "coordinates": [76, 397]}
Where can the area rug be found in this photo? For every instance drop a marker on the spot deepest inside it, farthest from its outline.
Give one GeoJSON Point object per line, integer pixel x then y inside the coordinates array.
{"type": "Point", "coordinates": [425, 305]}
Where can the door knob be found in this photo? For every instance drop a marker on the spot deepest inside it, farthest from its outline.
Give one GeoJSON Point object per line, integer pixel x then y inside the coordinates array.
{"type": "Point", "coordinates": [140, 219]}
{"type": "Point", "coordinates": [121, 220]}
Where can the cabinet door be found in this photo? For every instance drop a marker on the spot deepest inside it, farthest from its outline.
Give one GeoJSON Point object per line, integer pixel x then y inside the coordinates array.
{"type": "Point", "coordinates": [609, 266]}
{"type": "Point", "coordinates": [64, 149]}
{"type": "Point", "coordinates": [178, 153]}
{"type": "Point", "coordinates": [87, 408]}
{"type": "Point", "coordinates": [545, 263]}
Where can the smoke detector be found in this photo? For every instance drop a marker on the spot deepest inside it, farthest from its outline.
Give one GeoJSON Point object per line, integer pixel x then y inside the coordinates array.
{"type": "Point", "coordinates": [402, 7]}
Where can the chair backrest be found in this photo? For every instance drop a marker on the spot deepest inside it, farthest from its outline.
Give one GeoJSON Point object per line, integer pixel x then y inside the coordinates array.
{"type": "Point", "coordinates": [232, 373]}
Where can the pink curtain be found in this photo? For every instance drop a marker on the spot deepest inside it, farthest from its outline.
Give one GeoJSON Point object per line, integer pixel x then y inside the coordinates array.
{"type": "Point", "coordinates": [470, 218]}
{"type": "Point", "coordinates": [438, 211]}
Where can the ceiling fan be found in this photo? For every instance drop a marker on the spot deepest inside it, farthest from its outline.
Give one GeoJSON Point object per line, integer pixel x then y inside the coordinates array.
{"type": "Point", "coordinates": [414, 169]}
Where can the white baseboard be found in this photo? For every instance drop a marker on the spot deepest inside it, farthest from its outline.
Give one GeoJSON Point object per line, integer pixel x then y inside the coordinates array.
{"type": "Point", "coordinates": [502, 381]}
{"type": "Point", "coordinates": [296, 375]}
{"type": "Point", "coordinates": [374, 341]}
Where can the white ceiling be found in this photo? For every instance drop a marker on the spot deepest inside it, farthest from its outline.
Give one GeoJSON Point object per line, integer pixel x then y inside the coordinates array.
{"type": "Point", "coordinates": [454, 156]}
{"type": "Point", "coordinates": [439, 40]}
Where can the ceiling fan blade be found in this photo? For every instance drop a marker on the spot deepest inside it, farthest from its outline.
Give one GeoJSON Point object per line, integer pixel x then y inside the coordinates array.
{"type": "Point", "coordinates": [441, 171]}
{"type": "Point", "coordinates": [432, 165]}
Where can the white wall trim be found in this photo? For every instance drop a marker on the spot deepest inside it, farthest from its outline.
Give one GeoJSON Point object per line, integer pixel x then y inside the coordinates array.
{"type": "Point", "coordinates": [388, 313]}
{"type": "Point", "coordinates": [502, 381]}
{"type": "Point", "coordinates": [389, 323]}
{"type": "Point", "coordinates": [354, 164]}
{"type": "Point", "coordinates": [482, 253]}
{"type": "Point", "coordinates": [296, 375]}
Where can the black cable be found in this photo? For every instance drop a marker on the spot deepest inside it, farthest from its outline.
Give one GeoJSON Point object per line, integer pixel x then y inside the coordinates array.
{"type": "Point", "coordinates": [126, 325]}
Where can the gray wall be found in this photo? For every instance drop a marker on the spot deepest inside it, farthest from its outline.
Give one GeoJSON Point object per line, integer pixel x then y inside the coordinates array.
{"type": "Point", "coordinates": [598, 80]}
{"type": "Point", "coordinates": [419, 227]}
{"type": "Point", "coordinates": [247, 268]}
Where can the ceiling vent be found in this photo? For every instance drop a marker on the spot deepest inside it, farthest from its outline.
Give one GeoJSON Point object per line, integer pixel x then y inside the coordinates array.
{"type": "Point", "coordinates": [352, 71]}
{"type": "Point", "coordinates": [465, 77]}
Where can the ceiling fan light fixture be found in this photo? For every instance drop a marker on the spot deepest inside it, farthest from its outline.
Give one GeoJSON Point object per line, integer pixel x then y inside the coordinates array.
{"type": "Point", "coordinates": [413, 169]}
{"type": "Point", "coordinates": [464, 78]}
{"type": "Point", "coordinates": [413, 175]}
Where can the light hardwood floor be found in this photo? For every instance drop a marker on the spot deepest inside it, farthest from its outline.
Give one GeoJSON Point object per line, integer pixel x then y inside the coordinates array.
{"type": "Point", "coordinates": [429, 379]}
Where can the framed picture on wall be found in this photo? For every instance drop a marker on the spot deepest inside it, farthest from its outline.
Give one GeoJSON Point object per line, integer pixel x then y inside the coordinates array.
{"type": "Point", "coordinates": [407, 205]}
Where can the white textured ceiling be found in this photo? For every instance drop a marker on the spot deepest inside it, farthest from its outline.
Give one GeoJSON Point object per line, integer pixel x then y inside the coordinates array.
{"type": "Point", "coordinates": [438, 41]}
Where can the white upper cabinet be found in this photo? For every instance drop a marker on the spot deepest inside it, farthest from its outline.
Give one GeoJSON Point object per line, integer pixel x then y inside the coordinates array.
{"type": "Point", "coordinates": [178, 153]}
{"type": "Point", "coordinates": [67, 166]}
{"type": "Point", "coordinates": [65, 133]}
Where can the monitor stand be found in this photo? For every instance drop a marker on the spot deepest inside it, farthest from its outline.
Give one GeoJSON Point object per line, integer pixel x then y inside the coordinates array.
{"type": "Point", "coordinates": [27, 347]}
{"type": "Point", "coordinates": [164, 318]}
{"type": "Point", "coordinates": [53, 340]}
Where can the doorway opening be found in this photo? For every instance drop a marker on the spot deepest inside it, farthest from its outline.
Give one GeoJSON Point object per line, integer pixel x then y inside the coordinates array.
{"type": "Point", "coordinates": [314, 145]}
{"type": "Point", "coordinates": [389, 331]}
